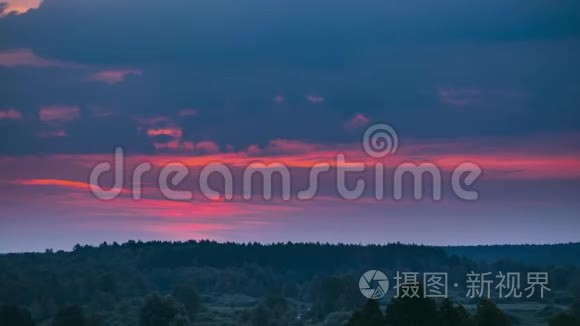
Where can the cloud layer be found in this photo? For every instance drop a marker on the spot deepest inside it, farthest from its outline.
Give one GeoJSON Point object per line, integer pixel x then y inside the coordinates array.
{"type": "Point", "coordinates": [494, 82]}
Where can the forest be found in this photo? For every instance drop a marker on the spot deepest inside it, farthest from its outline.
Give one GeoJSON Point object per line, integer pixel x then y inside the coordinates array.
{"type": "Point", "coordinates": [210, 283]}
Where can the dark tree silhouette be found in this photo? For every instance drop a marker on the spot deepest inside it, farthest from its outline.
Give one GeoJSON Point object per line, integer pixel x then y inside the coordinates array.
{"type": "Point", "coordinates": [453, 315]}
{"type": "Point", "coordinates": [564, 319]}
{"type": "Point", "coordinates": [335, 293]}
{"type": "Point", "coordinates": [188, 296]}
{"type": "Point", "coordinates": [15, 316]}
{"type": "Point", "coordinates": [107, 284]}
{"type": "Point", "coordinates": [411, 311]}
{"type": "Point", "coordinates": [370, 315]}
{"type": "Point", "coordinates": [321, 281]}
{"type": "Point", "coordinates": [272, 311]}
{"type": "Point", "coordinates": [162, 311]}
{"type": "Point", "coordinates": [70, 316]}
{"type": "Point", "coordinates": [488, 314]}
{"type": "Point", "coordinates": [576, 305]}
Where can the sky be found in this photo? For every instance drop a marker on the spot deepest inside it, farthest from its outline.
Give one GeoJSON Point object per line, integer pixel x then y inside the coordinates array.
{"type": "Point", "coordinates": [494, 83]}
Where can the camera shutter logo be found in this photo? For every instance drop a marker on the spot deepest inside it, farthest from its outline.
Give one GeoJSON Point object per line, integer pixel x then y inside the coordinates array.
{"type": "Point", "coordinates": [381, 283]}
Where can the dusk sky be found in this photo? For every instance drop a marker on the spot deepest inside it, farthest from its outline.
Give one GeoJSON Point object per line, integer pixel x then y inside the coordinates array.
{"type": "Point", "coordinates": [496, 83]}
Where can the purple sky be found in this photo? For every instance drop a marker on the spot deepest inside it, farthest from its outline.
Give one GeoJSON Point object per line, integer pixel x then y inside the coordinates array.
{"type": "Point", "coordinates": [494, 83]}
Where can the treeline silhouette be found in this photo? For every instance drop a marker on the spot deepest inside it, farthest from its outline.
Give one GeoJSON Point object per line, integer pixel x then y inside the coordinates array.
{"type": "Point", "coordinates": [210, 283]}
{"type": "Point", "coordinates": [533, 254]}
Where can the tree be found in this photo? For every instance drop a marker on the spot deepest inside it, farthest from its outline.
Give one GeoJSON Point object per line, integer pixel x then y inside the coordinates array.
{"type": "Point", "coordinates": [15, 316]}
{"type": "Point", "coordinates": [272, 311]}
{"type": "Point", "coordinates": [261, 316]}
{"type": "Point", "coordinates": [488, 314]}
{"type": "Point", "coordinates": [411, 311]}
{"type": "Point", "coordinates": [576, 305]}
{"type": "Point", "coordinates": [70, 316]}
{"type": "Point", "coordinates": [370, 315]}
{"type": "Point", "coordinates": [276, 303]}
{"type": "Point", "coordinates": [451, 315]}
{"type": "Point", "coordinates": [335, 293]}
{"type": "Point", "coordinates": [564, 319]}
{"type": "Point", "coordinates": [107, 283]}
{"type": "Point", "coordinates": [162, 311]}
{"type": "Point", "coordinates": [187, 295]}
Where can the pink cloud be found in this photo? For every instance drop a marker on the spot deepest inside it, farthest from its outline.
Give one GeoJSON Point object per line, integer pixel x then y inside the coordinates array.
{"type": "Point", "coordinates": [10, 114]}
{"type": "Point", "coordinates": [315, 99]}
{"type": "Point", "coordinates": [507, 162]}
{"type": "Point", "coordinates": [25, 57]}
{"type": "Point", "coordinates": [175, 145]}
{"type": "Point", "coordinates": [253, 150]}
{"type": "Point", "coordinates": [53, 182]}
{"type": "Point", "coordinates": [165, 126]}
{"type": "Point", "coordinates": [358, 121]}
{"type": "Point", "coordinates": [154, 121]}
{"type": "Point", "coordinates": [158, 125]}
{"type": "Point", "coordinates": [171, 132]}
{"type": "Point", "coordinates": [19, 7]}
{"type": "Point", "coordinates": [60, 183]}
{"type": "Point", "coordinates": [59, 113]}
{"type": "Point", "coordinates": [290, 146]}
{"type": "Point", "coordinates": [207, 147]}
{"type": "Point", "coordinates": [112, 77]}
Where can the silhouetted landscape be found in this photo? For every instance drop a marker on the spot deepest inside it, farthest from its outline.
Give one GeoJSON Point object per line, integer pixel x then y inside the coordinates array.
{"type": "Point", "coordinates": [210, 283]}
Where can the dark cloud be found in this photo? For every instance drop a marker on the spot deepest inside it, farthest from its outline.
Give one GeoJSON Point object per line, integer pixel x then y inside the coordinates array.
{"type": "Point", "coordinates": [289, 34]}
{"type": "Point", "coordinates": [430, 69]}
